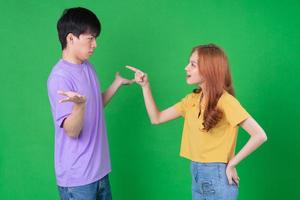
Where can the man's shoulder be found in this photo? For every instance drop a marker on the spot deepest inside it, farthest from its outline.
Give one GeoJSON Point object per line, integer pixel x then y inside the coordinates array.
{"type": "Point", "coordinates": [57, 74]}
{"type": "Point", "coordinates": [59, 70]}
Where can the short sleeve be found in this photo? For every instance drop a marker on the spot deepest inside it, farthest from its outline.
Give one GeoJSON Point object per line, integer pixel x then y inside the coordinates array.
{"type": "Point", "coordinates": [60, 111]}
{"type": "Point", "coordinates": [181, 106]}
{"type": "Point", "coordinates": [233, 110]}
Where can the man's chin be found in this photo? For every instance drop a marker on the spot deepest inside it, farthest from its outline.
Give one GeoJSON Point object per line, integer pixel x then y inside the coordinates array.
{"type": "Point", "coordinates": [86, 57]}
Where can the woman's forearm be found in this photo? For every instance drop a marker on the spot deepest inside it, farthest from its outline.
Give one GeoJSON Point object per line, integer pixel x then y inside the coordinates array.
{"type": "Point", "coordinates": [150, 104]}
{"type": "Point", "coordinates": [257, 138]}
{"type": "Point", "coordinates": [253, 143]}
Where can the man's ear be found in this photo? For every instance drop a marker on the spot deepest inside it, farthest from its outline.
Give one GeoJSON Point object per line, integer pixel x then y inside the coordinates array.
{"type": "Point", "coordinates": [70, 38]}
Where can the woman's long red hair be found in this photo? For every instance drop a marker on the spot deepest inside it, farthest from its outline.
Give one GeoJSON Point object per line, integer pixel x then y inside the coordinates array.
{"type": "Point", "coordinates": [214, 70]}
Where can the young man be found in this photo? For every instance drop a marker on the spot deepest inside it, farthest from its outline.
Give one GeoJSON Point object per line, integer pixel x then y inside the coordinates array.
{"type": "Point", "coordinates": [82, 161]}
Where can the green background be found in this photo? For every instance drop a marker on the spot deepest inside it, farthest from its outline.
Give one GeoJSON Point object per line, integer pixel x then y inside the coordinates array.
{"type": "Point", "coordinates": [261, 39]}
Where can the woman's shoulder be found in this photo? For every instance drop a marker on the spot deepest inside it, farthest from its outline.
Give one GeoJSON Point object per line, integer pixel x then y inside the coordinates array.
{"type": "Point", "coordinates": [227, 98]}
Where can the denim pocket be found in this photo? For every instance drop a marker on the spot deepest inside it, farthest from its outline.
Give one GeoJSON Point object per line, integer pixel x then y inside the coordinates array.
{"type": "Point", "coordinates": [207, 187]}
{"type": "Point", "coordinates": [206, 178]}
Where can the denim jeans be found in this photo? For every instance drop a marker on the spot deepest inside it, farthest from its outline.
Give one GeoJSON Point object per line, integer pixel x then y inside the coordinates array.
{"type": "Point", "coordinates": [99, 190]}
{"type": "Point", "coordinates": [209, 182]}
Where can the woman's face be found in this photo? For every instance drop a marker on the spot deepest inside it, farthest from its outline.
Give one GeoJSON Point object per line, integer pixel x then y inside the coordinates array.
{"type": "Point", "coordinates": [192, 70]}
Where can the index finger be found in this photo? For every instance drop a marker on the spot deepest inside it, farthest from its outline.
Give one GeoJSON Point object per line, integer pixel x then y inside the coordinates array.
{"type": "Point", "coordinates": [133, 69]}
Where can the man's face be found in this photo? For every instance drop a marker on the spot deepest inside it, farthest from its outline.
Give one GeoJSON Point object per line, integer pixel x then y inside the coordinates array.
{"type": "Point", "coordinates": [84, 46]}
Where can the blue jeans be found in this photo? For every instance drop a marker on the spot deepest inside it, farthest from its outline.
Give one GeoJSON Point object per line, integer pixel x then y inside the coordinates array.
{"type": "Point", "coordinates": [99, 190]}
{"type": "Point", "coordinates": [209, 182]}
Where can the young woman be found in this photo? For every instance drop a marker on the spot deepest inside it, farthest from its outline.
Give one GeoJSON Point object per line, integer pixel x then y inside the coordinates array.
{"type": "Point", "coordinates": [212, 116]}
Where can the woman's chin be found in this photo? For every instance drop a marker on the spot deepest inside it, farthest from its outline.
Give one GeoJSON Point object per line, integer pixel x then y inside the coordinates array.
{"type": "Point", "coordinates": [189, 82]}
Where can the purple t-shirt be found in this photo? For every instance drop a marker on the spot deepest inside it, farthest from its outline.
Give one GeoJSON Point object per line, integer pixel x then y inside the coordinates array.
{"type": "Point", "coordinates": [82, 160]}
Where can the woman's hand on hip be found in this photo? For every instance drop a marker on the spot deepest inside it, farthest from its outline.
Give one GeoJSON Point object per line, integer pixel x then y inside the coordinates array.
{"type": "Point", "coordinates": [232, 175]}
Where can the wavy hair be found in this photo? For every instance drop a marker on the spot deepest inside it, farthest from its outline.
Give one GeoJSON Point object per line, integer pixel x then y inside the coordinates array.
{"type": "Point", "coordinates": [214, 70]}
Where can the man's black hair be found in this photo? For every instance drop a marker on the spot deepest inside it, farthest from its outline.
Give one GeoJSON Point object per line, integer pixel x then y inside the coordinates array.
{"type": "Point", "coordinates": [77, 21]}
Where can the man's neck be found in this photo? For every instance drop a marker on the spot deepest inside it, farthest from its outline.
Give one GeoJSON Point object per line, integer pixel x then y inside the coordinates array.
{"type": "Point", "coordinates": [69, 57]}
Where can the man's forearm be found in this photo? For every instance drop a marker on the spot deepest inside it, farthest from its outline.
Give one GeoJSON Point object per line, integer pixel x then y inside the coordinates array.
{"type": "Point", "coordinates": [74, 122]}
{"type": "Point", "coordinates": [110, 92]}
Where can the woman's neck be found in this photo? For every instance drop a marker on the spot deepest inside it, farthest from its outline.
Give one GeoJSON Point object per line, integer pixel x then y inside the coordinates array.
{"type": "Point", "coordinates": [204, 92]}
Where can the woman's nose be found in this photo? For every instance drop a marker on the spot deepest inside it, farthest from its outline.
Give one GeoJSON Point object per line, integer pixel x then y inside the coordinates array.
{"type": "Point", "coordinates": [186, 68]}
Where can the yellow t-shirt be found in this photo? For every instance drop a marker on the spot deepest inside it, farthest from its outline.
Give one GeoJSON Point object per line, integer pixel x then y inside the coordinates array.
{"type": "Point", "coordinates": [217, 145]}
